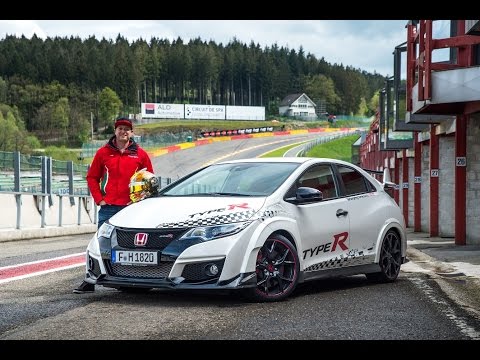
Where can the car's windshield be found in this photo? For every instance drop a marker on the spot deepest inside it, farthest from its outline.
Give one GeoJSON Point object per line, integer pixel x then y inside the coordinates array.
{"type": "Point", "coordinates": [235, 179]}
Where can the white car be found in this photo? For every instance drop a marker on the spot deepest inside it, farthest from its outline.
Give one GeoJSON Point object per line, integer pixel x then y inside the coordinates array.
{"type": "Point", "coordinates": [259, 225]}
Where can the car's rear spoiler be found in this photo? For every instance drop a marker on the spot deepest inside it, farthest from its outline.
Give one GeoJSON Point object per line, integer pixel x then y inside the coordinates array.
{"type": "Point", "coordinates": [386, 182]}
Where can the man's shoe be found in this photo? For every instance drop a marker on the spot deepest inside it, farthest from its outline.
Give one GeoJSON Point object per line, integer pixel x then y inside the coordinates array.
{"type": "Point", "coordinates": [84, 288]}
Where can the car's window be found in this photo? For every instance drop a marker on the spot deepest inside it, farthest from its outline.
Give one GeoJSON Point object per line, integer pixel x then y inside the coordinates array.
{"type": "Point", "coordinates": [242, 179]}
{"type": "Point", "coordinates": [320, 177]}
{"type": "Point", "coordinates": [353, 181]}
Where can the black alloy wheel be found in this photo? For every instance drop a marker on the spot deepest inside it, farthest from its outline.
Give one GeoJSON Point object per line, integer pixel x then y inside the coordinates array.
{"type": "Point", "coordinates": [277, 270]}
{"type": "Point", "coordinates": [390, 259]}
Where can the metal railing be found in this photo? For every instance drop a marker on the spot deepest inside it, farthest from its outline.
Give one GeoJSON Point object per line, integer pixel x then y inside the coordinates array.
{"type": "Point", "coordinates": [45, 178]}
{"type": "Point", "coordinates": [324, 139]}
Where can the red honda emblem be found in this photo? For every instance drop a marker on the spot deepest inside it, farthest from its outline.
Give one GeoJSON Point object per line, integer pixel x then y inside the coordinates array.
{"type": "Point", "coordinates": [140, 239]}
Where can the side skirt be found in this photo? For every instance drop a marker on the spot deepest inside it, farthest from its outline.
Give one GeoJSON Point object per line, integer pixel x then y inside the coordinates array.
{"type": "Point", "coordinates": [345, 271]}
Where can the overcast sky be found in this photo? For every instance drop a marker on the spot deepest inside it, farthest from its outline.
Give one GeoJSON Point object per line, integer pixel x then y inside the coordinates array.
{"type": "Point", "coordinates": [363, 44]}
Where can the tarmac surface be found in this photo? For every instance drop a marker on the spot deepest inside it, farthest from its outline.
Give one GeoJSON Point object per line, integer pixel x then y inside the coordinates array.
{"type": "Point", "coordinates": [455, 258]}
{"type": "Point", "coordinates": [455, 268]}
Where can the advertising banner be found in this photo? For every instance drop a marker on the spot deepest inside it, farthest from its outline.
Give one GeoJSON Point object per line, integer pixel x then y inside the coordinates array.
{"type": "Point", "coordinates": [245, 113]}
{"type": "Point", "coordinates": [210, 112]}
{"type": "Point", "coordinates": [163, 111]}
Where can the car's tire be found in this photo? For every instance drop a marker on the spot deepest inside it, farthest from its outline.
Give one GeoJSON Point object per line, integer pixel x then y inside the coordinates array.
{"type": "Point", "coordinates": [390, 259]}
{"type": "Point", "coordinates": [134, 290]}
{"type": "Point", "coordinates": [277, 269]}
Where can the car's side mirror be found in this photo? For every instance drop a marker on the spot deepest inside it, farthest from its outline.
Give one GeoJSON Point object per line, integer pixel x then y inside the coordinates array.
{"type": "Point", "coordinates": [389, 188]}
{"type": "Point", "coordinates": [305, 195]}
{"type": "Point", "coordinates": [388, 185]}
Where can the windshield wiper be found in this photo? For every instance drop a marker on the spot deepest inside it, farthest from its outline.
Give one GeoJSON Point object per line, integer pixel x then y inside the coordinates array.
{"type": "Point", "coordinates": [213, 194]}
{"type": "Point", "coordinates": [223, 194]}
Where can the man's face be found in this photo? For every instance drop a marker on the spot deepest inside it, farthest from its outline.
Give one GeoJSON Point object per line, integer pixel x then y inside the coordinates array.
{"type": "Point", "coordinates": [123, 132]}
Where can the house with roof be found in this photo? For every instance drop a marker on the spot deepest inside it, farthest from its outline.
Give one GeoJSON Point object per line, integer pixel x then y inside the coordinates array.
{"type": "Point", "coordinates": [298, 106]}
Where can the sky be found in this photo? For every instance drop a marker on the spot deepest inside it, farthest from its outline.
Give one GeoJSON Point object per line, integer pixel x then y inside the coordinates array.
{"type": "Point", "coordinates": [363, 44]}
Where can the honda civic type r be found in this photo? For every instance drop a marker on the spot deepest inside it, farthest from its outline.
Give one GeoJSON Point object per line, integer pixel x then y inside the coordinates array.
{"type": "Point", "coordinates": [261, 226]}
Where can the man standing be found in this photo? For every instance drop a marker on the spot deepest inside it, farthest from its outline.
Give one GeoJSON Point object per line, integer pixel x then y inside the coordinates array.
{"type": "Point", "coordinates": [109, 176]}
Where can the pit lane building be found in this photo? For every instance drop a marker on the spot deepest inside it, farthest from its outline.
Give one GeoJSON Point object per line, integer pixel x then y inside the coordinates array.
{"type": "Point", "coordinates": [427, 129]}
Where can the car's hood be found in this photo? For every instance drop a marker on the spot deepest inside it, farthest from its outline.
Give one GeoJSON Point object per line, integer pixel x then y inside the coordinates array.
{"type": "Point", "coordinates": [187, 211]}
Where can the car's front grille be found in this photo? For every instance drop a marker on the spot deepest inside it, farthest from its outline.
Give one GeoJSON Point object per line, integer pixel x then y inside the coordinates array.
{"type": "Point", "coordinates": [156, 238]}
{"type": "Point", "coordinates": [145, 272]}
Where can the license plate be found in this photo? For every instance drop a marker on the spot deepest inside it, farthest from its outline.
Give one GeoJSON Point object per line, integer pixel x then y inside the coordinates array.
{"type": "Point", "coordinates": [135, 257]}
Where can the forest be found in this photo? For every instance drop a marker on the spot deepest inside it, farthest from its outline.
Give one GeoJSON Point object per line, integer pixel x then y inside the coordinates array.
{"type": "Point", "coordinates": [53, 90]}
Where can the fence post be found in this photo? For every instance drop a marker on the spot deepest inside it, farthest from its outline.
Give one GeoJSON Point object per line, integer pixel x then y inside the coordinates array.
{"type": "Point", "coordinates": [16, 186]}
{"type": "Point", "coordinates": [60, 209]}
{"type": "Point", "coordinates": [43, 189]}
{"type": "Point", "coordinates": [48, 171]}
{"type": "Point", "coordinates": [79, 218]}
{"type": "Point", "coordinates": [70, 182]}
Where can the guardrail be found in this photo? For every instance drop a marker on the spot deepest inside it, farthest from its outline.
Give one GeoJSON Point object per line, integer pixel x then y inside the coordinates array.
{"type": "Point", "coordinates": [41, 203]}
{"type": "Point", "coordinates": [324, 139]}
{"type": "Point", "coordinates": [44, 180]}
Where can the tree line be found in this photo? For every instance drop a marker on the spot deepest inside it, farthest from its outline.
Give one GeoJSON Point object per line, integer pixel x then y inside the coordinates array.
{"type": "Point", "coordinates": [54, 89]}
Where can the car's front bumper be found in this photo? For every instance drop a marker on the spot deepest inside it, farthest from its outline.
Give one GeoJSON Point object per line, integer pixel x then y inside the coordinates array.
{"type": "Point", "coordinates": [117, 276]}
{"type": "Point", "coordinates": [191, 275]}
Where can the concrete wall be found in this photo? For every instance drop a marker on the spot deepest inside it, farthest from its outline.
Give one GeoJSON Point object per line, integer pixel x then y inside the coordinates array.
{"type": "Point", "coordinates": [56, 222]}
{"type": "Point", "coordinates": [473, 180]}
{"type": "Point", "coordinates": [400, 181]}
{"type": "Point", "coordinates": [446, 199]}
{"type": "Point", "coordinates": [446, 187]}
{"type": "Point", "coordinates": [411, 189]}
{"type": "Point", "coordinates": [425, 193]}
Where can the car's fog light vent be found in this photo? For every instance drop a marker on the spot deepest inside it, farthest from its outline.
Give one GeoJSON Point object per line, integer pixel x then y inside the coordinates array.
{"type": "Point", "coordinates": [94, 266]}
{"type": "Point", "coordinates": [202, 271]}
{"type": "Point", "coordinates": [211, 270]}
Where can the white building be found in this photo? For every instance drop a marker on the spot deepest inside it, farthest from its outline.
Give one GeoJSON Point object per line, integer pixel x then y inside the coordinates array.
{"type": "Point", "coordinates": [298, 106]}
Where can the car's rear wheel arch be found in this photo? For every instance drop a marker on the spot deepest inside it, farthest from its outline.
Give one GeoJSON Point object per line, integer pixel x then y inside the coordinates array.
{"type": "Point", "coordinates": [390, 259]}
{"type": "Point", "coordinates": [397, 232]}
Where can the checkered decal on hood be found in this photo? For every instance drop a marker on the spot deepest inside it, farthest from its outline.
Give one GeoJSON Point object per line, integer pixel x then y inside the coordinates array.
{"type": "Point", "coordinates": [233, 217]}
{"type": "Point", "coordinates": [230, 218]}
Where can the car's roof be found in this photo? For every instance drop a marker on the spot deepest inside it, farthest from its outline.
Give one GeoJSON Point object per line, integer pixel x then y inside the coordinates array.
{"type": "Point", "coordinates": [299, 160]}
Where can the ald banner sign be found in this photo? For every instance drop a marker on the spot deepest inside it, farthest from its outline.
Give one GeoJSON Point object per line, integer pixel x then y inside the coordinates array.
{"type": "Point", "coordinates": [199, 112]}
{"type": "Point", "coordinates": [163, 111]}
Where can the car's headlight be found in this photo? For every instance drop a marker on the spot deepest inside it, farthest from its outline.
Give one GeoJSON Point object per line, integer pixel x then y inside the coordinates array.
{"type": "Point", "coordinates": [105, 230]}
{"type": "Point", "coordinates": [214, 232]}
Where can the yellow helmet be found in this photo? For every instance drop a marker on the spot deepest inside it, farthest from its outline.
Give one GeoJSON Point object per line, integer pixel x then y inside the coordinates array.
{"type": "Point", "coordinates": [143, 184]}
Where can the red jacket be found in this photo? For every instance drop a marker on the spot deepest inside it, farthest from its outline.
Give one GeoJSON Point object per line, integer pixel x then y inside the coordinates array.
{"type": "Point", "coordinates": [109, 174]}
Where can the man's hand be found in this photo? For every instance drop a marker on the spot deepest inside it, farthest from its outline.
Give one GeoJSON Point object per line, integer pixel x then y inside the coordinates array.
{"type": "Point", "coordinates": [102, 202]}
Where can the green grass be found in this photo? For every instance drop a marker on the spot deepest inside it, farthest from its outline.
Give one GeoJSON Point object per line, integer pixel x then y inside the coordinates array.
{"type": "Point", "coordinates": [280, 151]}
{"type": "Point", "coordinates": [340, 149]}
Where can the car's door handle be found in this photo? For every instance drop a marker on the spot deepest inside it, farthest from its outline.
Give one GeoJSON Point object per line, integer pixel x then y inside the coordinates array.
{"type": "Point", "coordinates": [341, 212]}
